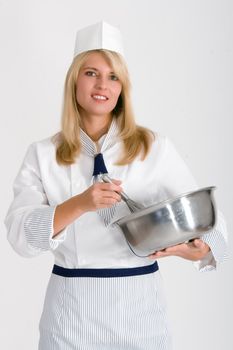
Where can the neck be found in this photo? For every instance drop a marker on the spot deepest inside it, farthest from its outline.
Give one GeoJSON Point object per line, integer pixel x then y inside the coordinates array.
{"type": "Point", "coordinates": [95, 127]}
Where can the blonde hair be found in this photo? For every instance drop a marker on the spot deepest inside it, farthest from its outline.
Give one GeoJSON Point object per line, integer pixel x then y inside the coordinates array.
{"type": "Point", "coordinates": [136, 139]}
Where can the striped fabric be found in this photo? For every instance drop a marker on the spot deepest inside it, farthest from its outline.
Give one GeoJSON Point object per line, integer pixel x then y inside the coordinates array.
{"type": "Point", "coordinates": [92, 150]}
{"type": "Point", "coordinates": [90, 147]}
{"type": "Point", "coordinates": [105, 313]}
{"type": "Point", "coordinates": [217, 245]}
{"type": "Point", "coordinates": [38, 228]}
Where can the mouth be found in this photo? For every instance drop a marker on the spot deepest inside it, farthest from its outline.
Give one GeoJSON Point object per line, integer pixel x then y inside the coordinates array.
{"type": "Point", "coordinates": [98, 97]}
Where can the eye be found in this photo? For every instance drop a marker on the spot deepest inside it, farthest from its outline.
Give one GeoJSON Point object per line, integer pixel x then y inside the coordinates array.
{"type": "Point", "coordinates": [113, 77]}
{"type": "Point", "coordinates": [90, 73]}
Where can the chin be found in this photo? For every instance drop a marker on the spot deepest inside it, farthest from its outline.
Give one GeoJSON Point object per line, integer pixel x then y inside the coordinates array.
{"type": "Point", "coordinates": [100, 112]}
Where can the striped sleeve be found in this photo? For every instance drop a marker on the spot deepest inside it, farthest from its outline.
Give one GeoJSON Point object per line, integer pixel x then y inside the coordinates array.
{"type": "Point", "coordinates": [38, 227]}
{"type": "Point", "coordinates": [29, 220]}
{"type": "Point", "coordinates": [176, 179]}
{"type": "Point", "coordinates": [217, 241]}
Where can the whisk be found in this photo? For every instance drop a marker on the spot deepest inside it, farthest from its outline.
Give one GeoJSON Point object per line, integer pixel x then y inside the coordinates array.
{"type": "Point", "coordinates": [132, 205]}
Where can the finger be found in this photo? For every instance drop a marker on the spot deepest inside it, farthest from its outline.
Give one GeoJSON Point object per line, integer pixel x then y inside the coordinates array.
{"type": "Point", "coordinates": [165, 252]}
{"type": "Point", "coordinates": [110, 194]}
{"type": "Point", "coordinates": [201, 246]}
{"type": "Point", "coordinates": [104, 198]}
{"type": "Point", "coordinates": [117, 182]}
{"type": "Point", "coordinates": [104, 206]}
{"type": "Point", "coordinates": [176, 248]}
{"type": "Point", "coordinates": [198, 243]}
{"type": "Point", "coordinates": [108, 187]}
{"type": "Point", "coordinates": [159, 254]}
{"type": "Point", "coordinates": [109, 200]}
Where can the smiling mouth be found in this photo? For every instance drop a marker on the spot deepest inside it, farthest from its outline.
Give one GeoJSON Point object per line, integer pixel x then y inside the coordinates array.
{"type": "Point", "coordinates": [99, 97]}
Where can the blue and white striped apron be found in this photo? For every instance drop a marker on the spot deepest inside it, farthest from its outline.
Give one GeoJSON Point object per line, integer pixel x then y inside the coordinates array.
{"type": "Point", "coordinates": [105, 309]}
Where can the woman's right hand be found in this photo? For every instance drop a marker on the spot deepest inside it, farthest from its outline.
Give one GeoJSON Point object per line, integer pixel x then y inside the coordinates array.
{"type": "Point", "coordinates": [100, 195]}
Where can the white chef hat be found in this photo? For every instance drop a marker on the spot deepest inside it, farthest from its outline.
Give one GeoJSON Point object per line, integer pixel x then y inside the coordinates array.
{"type": "Point", "coordinates": [99, 36]}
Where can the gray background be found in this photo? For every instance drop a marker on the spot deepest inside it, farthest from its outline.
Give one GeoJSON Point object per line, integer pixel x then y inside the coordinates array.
{"type": "Point", "coordinates": [180, 58]}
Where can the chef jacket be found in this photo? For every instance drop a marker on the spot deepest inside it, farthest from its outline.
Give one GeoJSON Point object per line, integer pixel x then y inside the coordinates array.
{"type": "Point", "coordinates": [42, 184]}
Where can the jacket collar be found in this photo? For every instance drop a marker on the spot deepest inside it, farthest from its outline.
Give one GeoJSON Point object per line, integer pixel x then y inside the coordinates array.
{"type": "Point", "coordinates": [105, 142]}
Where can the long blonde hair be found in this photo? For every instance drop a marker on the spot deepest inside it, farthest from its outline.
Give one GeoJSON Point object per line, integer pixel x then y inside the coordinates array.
{"type": "Point", "coordinates": [136, 139]}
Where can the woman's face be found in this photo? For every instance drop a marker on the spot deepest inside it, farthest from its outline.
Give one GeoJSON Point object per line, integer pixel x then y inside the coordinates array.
{"type": "Point", "coordinates": [98, 88]}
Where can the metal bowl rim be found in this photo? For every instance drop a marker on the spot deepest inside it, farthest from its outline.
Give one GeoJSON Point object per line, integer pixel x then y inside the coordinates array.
{"type": "Point", "coordinates": [159, 205]}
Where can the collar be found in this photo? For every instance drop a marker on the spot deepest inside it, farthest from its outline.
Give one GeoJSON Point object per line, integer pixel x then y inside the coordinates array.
{"type": "Point", "coordinates": [105, 142]}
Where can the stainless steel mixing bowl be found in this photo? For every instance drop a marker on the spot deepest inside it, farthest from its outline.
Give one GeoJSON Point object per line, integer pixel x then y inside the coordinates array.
{"type": "Point", "coordinates": [170, 222]}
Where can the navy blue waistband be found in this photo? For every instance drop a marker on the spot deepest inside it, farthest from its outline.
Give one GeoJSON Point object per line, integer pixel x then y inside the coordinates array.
{"type": "Point", "coordinates": [132, 271]}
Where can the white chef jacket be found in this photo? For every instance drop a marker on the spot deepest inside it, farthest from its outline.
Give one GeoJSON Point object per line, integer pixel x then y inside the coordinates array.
{"type": "Point", "coordinates": [42, 184]}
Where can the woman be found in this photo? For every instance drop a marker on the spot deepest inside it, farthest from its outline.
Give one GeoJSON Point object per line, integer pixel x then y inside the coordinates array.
{"type": "Point", "coordinates": [100, 295]}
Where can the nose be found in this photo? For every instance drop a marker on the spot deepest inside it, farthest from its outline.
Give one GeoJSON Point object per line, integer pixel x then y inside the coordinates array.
{"type": "Point", "coordinates": [101, 83]}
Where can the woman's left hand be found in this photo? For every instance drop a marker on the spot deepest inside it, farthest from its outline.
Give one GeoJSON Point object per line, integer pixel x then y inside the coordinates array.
{"type": "Point", "coordinates": [195, 250]}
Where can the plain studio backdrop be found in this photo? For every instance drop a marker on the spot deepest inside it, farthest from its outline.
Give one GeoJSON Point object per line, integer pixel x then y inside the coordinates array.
{"type": "Point", "coordinates": [180, 55]}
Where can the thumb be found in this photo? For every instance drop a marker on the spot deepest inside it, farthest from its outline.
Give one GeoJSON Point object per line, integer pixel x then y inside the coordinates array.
{"type": "Point", "coordinates": [198, 243]}
{"type": "Point", "coordinates": [116, 182]}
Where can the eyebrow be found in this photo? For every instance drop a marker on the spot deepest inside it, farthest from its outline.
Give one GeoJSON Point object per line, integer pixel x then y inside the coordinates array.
{"type": "Point", "coordinates": [95, 69]}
